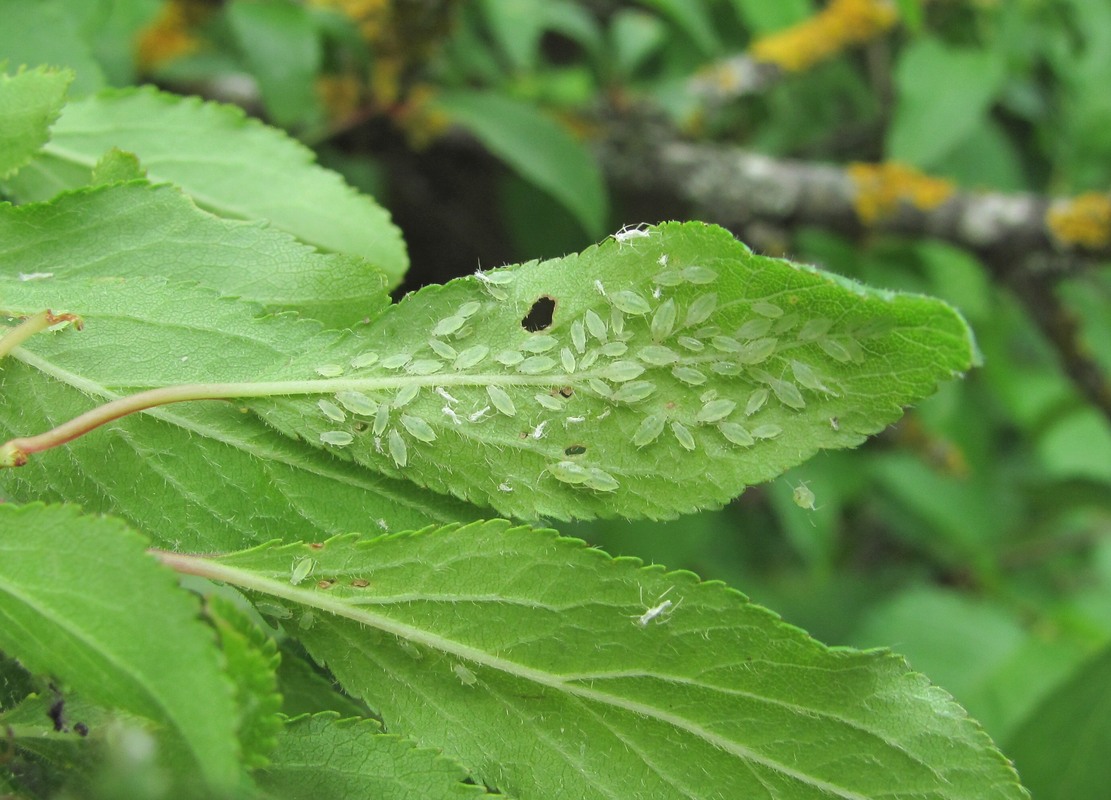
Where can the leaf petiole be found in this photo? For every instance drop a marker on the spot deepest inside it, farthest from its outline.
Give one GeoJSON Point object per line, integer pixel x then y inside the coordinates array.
{"type": "Point", "coordinates": [33, 324]}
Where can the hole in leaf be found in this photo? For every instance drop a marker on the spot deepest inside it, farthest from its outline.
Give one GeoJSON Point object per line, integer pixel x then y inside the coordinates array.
{"type": "Point", "coordinates": [566, 391]}
{"type": "Point", "coordinates": [539, 316]}
{"type": "Point", "coordinates": [575, 450]}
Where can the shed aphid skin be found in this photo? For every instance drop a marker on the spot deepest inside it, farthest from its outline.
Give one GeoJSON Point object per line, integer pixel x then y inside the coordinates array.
{"type": "Point", "coordinates": [301, 570]}
{"type": "Point", "coordinates": [631, 233]}
{"type": "Point", "coordinates": [477, 415]}
{"type": "Point", "coordinates": [601, 289]}
{"type": "Point", "coordinates": [538, 431]}
{"type": "Point", "coordinates": [505, 487]}
{"type": "Point", "coordinates": [465, 675]}
{"type": "Point", "coordinates": [440, 390]}
{"type": "Point", "coordinates": [336, 438]}
{"type": "Point", "coordinates": [659, 612]}
{"type": "Point", "coordinates": [804, 497]}
{"type": "Point", "coordinates": [449, 412]}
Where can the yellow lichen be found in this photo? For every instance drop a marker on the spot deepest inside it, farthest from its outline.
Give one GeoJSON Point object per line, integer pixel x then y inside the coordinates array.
{"type": "Point", "coordinates": [1084, 220]}
{"type": "Point", "coordinates": [170, 35]}
{"type": "Point", "coordinates": [881, 188]}
{"type": "Point", "coordinates": [843, 23]}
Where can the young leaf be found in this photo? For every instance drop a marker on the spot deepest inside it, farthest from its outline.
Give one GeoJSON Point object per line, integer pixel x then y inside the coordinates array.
{"type": "Point", "coordinates": [29, 102]}
{"type": "Point", "coordinates": [549, 669]}
{"type": "Point", "coordinates": [624, 380]}
{"type": "Point", "coordinates": [192, 143]}
{"type": "Point", "coordinates": [251, 659]}
{"type": "Point", "coordinates": [183, 474]}
{"type": "Point", "coordinates": [156, 230]}
{"type": "Point", "coordinates": [324, 756]}
{"type": "Point", "coordinates": [81, 600]}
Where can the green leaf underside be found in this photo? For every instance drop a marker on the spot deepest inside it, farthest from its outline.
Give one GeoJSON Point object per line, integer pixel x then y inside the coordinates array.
{"type": "Point", "coordinates": [29, 102]}
{"type": "Point", "coordinates": [158, 231]}
{"type": "Point", "coordinates": [154, 334]}
{"type": "Point", "coordinates": [79, 599]}
{"type": "Point", "coordinates": [324, 756]}
{"type": "Point", "coordinates": [668, 418]}
{"type": "Point", "coordinates": [229, 164]}
{"type": "Point", "coordinates": [547, 668]}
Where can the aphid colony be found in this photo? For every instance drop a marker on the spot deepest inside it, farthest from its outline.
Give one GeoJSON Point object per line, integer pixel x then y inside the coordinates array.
{"type": "Point", "coordinates": [618, 351]}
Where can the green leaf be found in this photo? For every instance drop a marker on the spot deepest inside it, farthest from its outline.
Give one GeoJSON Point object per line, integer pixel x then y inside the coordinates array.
{"type": "Point", "coordinates": [693, 18]}
{"type": "Point", "coordinates": [548, 669]}
{"type": "Point", "coordinates": [724, 370]}
{"type": "Point", "coordinates": [80, 599]}
{"type": "Point", "coordinates": [229, 164]}
{"type": "Point", "coordinates": [324, 756]}
{"type": "Point", "coordinates": [282, 48]}
{"type": "Point", "coordinates": [1062, 746]}
{"type": "Point", "coordinates": [45, 32]}
{"type": "Point", "coordinates": [764, 18]}
{"type": "Point", "coordinates": [156, 230]}
{"type": "Point", "coordinates": [29, 102]}
{"type": "Point", "coordinates": [204, 462]}
{"type": "Point", "coordinates": [251, 659]}
{"type": "Point", "coordinates": [944, 94]}
{"type": "Point", "coordinates": [304, 687]}
{"type": "Point", "coordinates": [536, 147]}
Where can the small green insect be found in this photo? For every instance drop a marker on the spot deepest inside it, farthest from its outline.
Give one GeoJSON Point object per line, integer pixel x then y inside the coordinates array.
{"type": "Point", "coordinates": [804, 497]}
{"type": "Point", "coordinates": [465, 675]}
{"type": "Point", "coordinates": [301, 570]}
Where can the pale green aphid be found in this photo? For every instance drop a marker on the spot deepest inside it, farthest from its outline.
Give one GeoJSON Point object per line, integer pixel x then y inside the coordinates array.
{"type": "Point", "coordinates": [567, 359]}
{"type": "Point", "coordinates": [509, 358]}
{"type": "Point", "coordinates": [613, 349]}
{"type": "Point", "coordinates": [381, 419]}
{"type": "Point", "coordinates": [682, 435]}
{"type": "Point", "coordinates": [399, 451]}
{"type": "Point", "coordinates": [589, 359]}
{"type": "Point", "coordinates": [600, 387]}
{"type": "Point", "coordinates": [754, 328]}
{"type": "Point", "coordinates": [396, 361]}
{"type": "Point", "coordinates": [689, 342]}
{"type": "Point", "coordinates": [806, 375]}
{"type": "Point", "coordinates": [273, 610]}
{"type": "Point", "coordinates": [601, 481]}
{"type": "Point", "coordinates": [736, 434]}
{"type": "Point", "coordinates": [307, 620]}
{"type": "Point", "coordinates": [663, 321]}
{"type": "Point", "coordinates": [617, 322]}
{"type": "Point", "coordinates": [465, 676]}
{"type": "Point", "coordinates": [406, 394]}
{"type": "Point", "coordinates": [301, 570]}
{"type": "Point", "coordinates": [815, 329]}
{"type": "Point", "coordinates": [471, 357]}
{"type": "Point", "coordinates": [669, 277]}
{"type": "Point", "coordinates": [331, 410]}
{"type": "Point", "coordinates": [767, 431]}
{"type": "Point", "coordinates": [715, 411]}
{"type": "Point", "coordinates": [689, 375]}
{"type": "Point", "coordinates": [788, 394]}
{"type": "Point", "coordinates": [700, 310]}
{"type": "Point", "coordinates": [357, 403]}
{"type": "Point", "coordinates": [758, 351]}
{"type": "Point", "coordinates": [501, 400]}
{"type": "Point", "coordinates": [756, 401]}
{"type": "Point", "coordinates": [329, 370]}
{"type": "Point", "coordinates": [549, 402]}
{"type": "Point", "coordinates": [803, 497]}
{"type": "Point", "coordinates": [363, 361]}
{"type": "Point", "coordinates": [657, 355]}
{"type": "Point", "coordinates": [726, 344]}
{"type": "Point", "coordinates": [621, 371]}
{"type": "Point", "coordinates": [410, 649]}
{"type": "Point", "coordinates": [418, 428]}
{"type": "Point", "coordinates": [595, 326]}
{"type": "Point", "coordinates": [569, 472]}
{"type": "Point", "coordinates": [634, 392]}
{"type": "Point", "coordinates": [578, 335]}
{"type": "Point", "coordinates": [835, 350]}
{"type": "Point", "coordinates": [449, 325]}
{"type": "Point", "coordinates": [539, 343]}
{"type": "Point", "coordinates": [443, 349]}
{"type": "Point", "coordinates": [496, 278]}
{"type": "Point", "coordinates": [536, 365]}
{"type": "Point", "coordinates": [630, 302]}
{"type": "Point", "coordinates": [726, 367]}
{"type": "Point", "coordinates": [785, 324]}
{"type": "Point", "coordinates": [766, 309]}
{"type": "Point", "coordinates": [337, 438]}
{"type": "Point", "coordinates": [424, 366]}
{"type": "Point", "coordinates": [697, 274]}
{"type": "Point", "coordinates": [650, 429]}
{"type": "Point", "coordinates": [468, 309]}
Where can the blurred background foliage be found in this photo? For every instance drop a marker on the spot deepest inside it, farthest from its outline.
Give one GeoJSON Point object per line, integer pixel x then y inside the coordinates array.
{"type": "Point", "coordinates": [975, 536]}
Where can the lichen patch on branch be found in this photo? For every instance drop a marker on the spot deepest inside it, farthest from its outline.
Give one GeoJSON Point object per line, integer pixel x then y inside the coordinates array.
{"type": "Point", "coordinates": [1083, 221]}
{"type": "Point", "coordinates": [842, 24]}
{"type": "Point", "coordinates": [881, 188]}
